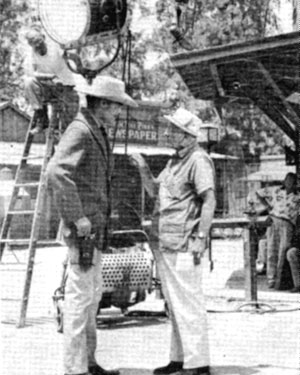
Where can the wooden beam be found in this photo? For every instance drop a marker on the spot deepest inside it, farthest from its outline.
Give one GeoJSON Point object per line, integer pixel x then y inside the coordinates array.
{"type": "Point", "coordinates": [217, 80]}
{"type": "Point", "coordinates": [235, 51]}
{"type": "Point", "coordinates": [289, 110]}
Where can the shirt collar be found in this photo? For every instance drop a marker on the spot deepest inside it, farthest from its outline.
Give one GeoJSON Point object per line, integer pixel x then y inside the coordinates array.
{"type": "Point", "coordinates": [92, 119]}
{"type": "Point", "coordinates": [184, 152]}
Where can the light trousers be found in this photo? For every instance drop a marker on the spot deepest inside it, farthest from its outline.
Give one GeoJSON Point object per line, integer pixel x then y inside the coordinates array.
{"type": "Point", "coordinates": [182, 290]}
{"type": "Point", "coordinates": [38, 93]}
{"type": "Point", "coordinates": [293, 256]}
{"type": "Point", "coordinates": [83, 292]}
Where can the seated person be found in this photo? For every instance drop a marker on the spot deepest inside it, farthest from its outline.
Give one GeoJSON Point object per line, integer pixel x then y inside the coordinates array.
{"type": "Point", "coordinates": [48, 77]}
{"type": "Point", "coordinates": [293, 257]}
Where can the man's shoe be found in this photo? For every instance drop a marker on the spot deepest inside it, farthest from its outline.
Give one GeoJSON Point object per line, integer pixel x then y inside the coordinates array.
{"type": "Point", "coordinates": [97, 370]}
{"type": "Point", "coordinates": [171, 368]}
{"type": "Point", "coordinates": [296, 289]}
{"type": "Point", "coordinates": [195, 371]}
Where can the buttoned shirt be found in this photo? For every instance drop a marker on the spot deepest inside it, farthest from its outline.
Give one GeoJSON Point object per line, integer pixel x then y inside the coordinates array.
{"type": "Point", "coordinates": [283, 205]}
{"type": "Point", "coordinates": [186, 176]}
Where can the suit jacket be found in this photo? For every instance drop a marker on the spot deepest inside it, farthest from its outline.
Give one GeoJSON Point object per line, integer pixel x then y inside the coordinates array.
{"type": "Point", "coordinates": [79, 175]}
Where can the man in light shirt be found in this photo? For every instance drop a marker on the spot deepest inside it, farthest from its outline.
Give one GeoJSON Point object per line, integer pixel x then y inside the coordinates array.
{"type": "Point", "coordinates": [283, 206]}
{"type": "Point", "coordinates": [48, 77]}
{"type": "Point", "coordinates": [185, 204]}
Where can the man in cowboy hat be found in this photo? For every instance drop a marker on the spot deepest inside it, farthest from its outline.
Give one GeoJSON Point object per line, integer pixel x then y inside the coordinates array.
{"type": "Point", "coordinates": [79, 177]}
{"type": "Point", "coordinates": [185, 208]}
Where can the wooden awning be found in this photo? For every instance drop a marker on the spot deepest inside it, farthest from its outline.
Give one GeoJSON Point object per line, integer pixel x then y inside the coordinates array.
{"type": "Point", "coordinates": [265, 72]}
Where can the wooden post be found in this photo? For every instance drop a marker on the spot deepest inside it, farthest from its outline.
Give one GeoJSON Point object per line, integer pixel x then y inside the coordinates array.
{"type": "Point", "coordinates": [249, 266]}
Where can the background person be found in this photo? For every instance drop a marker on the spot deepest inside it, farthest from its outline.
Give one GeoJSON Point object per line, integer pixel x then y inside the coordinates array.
{"type": "Point", "coordinates": [293, 257]}
{"type": "Point", "coordinates": [48, 77]}
{"type": "Point", "coordinates": [283, 205]}
{"type": "Point", "coordinates": [79, 176]}
{"type": "Point", "coordinates": [185, 208]}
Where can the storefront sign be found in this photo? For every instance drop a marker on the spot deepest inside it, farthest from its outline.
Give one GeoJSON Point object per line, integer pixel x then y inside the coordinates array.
{"type": "Point", "coordinates": [142, 132]}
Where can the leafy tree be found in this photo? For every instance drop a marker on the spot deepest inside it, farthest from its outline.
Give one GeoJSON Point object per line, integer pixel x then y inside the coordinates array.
{"type": "Point", "coordinates": [215, 22]}
{"type": "Point", "coordinates": [152, 76]}
{"type": "Point", "coordinates": [14, 15]}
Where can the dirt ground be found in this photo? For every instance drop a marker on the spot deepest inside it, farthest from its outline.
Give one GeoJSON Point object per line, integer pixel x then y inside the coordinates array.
{"type": "Point", "coordinates": [243, 341]}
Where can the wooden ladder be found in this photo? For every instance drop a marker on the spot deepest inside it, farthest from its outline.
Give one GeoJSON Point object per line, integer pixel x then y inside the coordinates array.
{"type": "Point", "coordinates": [36, 213]}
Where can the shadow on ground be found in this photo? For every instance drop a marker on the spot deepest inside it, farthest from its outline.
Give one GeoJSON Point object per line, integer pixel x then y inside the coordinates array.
{"type": "Point", "coordinates": [135, 371]}
{"type": "Point", "coordinates": [216, 370]}
{"type": "Point", "coordinates": [234, 370]}
{"type": "Point", "coordinates": [119, 322]}
{"type": "Point", "coordinates": [237, 281]}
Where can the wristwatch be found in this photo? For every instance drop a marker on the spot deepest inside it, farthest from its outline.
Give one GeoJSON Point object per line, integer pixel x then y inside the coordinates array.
{"type": "Point", "coordinates": [202, 235]}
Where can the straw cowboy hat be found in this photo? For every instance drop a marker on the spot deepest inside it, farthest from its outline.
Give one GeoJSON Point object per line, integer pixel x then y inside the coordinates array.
{"type": "Point", "coordinates": [189, 123]}
{"type": "Point", "coordinates": [108, 88]}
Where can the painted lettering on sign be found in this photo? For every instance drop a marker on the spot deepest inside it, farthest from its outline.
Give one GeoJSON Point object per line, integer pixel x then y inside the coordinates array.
{"type": "Point", "coordinates": [138, 132]}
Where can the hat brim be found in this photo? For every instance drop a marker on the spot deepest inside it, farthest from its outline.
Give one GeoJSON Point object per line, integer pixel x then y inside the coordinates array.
{"type": "Point", "coordinates": [123, 98]}
{"type": "Point", "coordinates": [176, 123]}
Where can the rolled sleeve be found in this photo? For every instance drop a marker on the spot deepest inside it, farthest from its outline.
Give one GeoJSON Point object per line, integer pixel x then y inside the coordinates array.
{"type": "Point", "coordinates": [203, 174]}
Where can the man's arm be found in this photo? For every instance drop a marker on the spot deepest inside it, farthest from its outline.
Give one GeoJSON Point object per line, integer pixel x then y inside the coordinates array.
{"type": "Point", "coordinates": [43, 76]}
{"type": "Point", "coordinates": [61, 171]}
{"type": "Point", "coordinates": [203, 177]}
{"type": "Point", "coordinates": [207, 212]}
{"type": "Point", "coordinates": [200, 242]}
{"type": "Point", "coordinates": [148, 181]}
{"type": "Point", "coordinates": [265, 198]}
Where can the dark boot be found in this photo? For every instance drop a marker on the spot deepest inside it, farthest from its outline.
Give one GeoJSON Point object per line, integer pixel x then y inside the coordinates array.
{"type": "Point", "coordinates": [97, 370]}
{"type": "Point", "coordinates": [171, 368]}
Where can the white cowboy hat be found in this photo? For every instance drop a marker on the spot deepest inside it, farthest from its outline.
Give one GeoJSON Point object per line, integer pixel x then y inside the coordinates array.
{"type": "Point", "coordinates": [189, 123]}
{"type": "Point", "coordinates": [109, 88]}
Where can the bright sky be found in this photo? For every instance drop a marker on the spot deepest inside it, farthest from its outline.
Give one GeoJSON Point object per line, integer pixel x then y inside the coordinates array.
{"type": "Point", "coordinates": [285, 16]}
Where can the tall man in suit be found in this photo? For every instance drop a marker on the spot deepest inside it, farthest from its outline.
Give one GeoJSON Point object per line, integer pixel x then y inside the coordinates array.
{"type": "Point", "coordinates": [79, 177]}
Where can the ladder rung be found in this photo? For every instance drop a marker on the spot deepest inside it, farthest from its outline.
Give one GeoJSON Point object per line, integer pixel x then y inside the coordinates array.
{"type": "Point", "coordinates": [21, 212]}
{"type": "Point", "coordinates": [9, 241]}
{"type": "Point", "coordinates": [33, 157]}
{"type": "Point", "coordinates": [26, 184]}
{"type": "Point", "coordinates": [25, 241]}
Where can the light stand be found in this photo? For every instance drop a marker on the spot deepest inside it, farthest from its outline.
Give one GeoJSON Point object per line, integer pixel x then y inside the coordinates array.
{"type": "Point", "coordinates": [77, 24]}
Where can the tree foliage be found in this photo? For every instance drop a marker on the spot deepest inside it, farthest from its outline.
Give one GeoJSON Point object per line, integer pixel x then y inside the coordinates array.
{"type": "Point", "coordinates": [216, 22]}
{"type": "Point", "coordinates": [14, 14]}
{"type": "Point", "coordinates": [152, 76]}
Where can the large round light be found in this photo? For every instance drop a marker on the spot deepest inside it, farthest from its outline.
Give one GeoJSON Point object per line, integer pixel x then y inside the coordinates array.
{"type": "Point", "coordinates": [73, 23]}
{"type": "Point", "coordinates": [65, 21]}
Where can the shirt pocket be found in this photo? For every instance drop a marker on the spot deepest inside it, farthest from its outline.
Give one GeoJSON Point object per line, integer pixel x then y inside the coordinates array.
{"type": "Point", "coordinates": [175, 188]}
